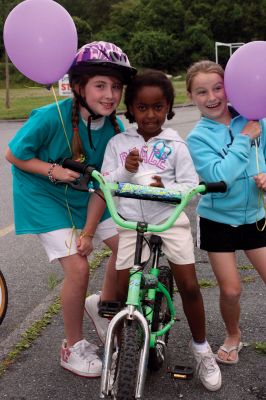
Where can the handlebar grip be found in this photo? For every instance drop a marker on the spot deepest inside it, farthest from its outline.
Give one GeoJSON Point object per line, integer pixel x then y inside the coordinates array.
{"type": "Point", "coordinates": [74, 165]}
{"type": "Point", "coordinates": [215, 187]}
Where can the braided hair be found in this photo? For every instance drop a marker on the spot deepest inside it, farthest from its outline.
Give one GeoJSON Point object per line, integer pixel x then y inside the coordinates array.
{"type": "Point", "coordinates": [149, 77]}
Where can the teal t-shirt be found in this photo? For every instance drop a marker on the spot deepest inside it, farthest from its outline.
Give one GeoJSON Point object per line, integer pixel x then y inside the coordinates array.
{"type": "Point", "coordinates": [39, 205]}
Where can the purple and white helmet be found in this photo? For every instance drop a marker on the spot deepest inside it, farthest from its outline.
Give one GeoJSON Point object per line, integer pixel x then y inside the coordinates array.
{"type": "Point", "coordinates": [101, 58]}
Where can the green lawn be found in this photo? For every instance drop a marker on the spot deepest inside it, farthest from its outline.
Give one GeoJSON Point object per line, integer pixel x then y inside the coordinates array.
{"type": "Point", "coordinates": [24, 99]}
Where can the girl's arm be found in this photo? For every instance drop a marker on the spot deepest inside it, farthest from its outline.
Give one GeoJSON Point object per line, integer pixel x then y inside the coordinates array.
{"type": "Point", "coordinates": [211, 163]}
{"type": "Point", "coordinates": [110, 168]}
{"type": "Point", "coordinates": [36, 166]}
{"type": "Point", "coordinates": [96, 207]}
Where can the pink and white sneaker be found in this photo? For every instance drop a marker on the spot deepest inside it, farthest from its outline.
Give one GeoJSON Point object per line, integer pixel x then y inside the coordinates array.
{"type": "Point", "coordinates": [81, 359]}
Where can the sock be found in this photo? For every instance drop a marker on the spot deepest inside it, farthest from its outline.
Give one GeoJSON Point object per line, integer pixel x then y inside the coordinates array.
{"type": "Point", "coordinates": [200, 347]}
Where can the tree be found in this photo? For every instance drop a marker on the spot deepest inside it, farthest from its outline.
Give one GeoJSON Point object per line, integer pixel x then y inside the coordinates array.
{"type": "Point", "coordinates": [83, 30]}
{"type": "Point", "coordinates": [154, 49]}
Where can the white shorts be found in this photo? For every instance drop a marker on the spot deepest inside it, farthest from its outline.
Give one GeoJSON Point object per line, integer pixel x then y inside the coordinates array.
{"type": "Point", "coordinates": [62, 242]}
{"type": "Point", "coordinates": [177, 246]}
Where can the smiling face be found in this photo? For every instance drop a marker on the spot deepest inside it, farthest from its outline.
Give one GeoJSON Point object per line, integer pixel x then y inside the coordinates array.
{"type": "Point", "coordinates": [102, 94]}
{"type": "Point", "coordinates": [208, 94]}
{"type": "Point", "coordinates": [149, 109]}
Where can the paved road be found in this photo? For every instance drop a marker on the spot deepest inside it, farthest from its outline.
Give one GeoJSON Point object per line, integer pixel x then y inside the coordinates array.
{"type": "Point", "coordinates": [36, 374]}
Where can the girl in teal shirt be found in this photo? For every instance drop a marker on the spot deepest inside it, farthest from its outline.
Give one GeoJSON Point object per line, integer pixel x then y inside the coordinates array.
{"type": "Point", "coordinates": [77, 128]}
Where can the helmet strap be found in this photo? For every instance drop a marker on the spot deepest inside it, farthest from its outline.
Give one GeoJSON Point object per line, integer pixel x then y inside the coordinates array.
{"type": "Point", "coordinates": [89, 133]}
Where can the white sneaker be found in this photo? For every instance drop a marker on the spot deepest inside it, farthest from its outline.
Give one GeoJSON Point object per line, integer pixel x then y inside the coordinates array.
{"type": "Point", "coordinates": [207, 369]}
{"type": "Point", "coordinates": [91, 308]}
{"type": "Point", "coordinates": [81, 359]}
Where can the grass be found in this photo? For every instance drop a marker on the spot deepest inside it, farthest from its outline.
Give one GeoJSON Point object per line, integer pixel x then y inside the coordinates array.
{"type": "Point", "coordinates": [25, 99]}
{"type": "Point", "coordinates": [260, 347]}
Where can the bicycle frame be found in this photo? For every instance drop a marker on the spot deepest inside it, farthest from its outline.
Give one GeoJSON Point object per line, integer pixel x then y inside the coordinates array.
{"type": "Point", "coordinates": [134, 309]}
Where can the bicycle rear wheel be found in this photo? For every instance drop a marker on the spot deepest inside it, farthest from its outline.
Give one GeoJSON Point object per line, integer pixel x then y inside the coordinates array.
{"type": "Point", "coordinates": [128, 361]}
{"type": "Point", "coordinates": [161, 316]}
{"type": "Point", "coordinates": [3, 297]}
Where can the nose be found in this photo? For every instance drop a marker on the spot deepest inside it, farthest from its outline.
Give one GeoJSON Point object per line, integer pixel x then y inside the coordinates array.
{"type": "Point", "coordinates": [212, 95]}
{"type": "Point", "coordinates": [150, 112]}
{"type": "Point", "coordinates": [109, 92]}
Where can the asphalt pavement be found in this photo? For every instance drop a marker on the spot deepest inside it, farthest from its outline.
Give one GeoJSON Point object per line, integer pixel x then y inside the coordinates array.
{"type": "Point", "coordinates": [36, 374]}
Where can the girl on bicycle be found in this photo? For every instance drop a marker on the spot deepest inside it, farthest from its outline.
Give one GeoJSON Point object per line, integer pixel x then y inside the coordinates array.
{"type": "Point", "coordinates": [225, 146]}
{"type": "Point", "coordinates": [77, 128]}
{"type": "Point", "coordinates": [149, 100]}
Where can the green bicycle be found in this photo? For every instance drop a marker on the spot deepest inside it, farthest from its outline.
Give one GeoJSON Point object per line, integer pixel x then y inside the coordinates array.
{"type": "Point", "coordinates": [149, 313]}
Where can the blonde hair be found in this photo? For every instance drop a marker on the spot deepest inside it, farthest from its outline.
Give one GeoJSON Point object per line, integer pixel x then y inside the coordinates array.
{"type": "Point", "coordinates": [205, 66]}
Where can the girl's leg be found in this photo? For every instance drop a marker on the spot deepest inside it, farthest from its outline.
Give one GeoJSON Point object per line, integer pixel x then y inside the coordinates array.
{"type": "Point", "coordinates": [108, 292]}
{"type": "Point", "coordinates": [110, 276]}
{"type": "Point", "coordinates": [207, 369]}
{"type": "Point", "coordinates": [73, 292]}
{"type": "Point", "coordinates": [257, 257]}
{"type": "Point", "coordinates": [225, 269]}
{"type": "Point", "coordinates": [122, 285]}
{"type": "Point", "coordinates": [187, 284]}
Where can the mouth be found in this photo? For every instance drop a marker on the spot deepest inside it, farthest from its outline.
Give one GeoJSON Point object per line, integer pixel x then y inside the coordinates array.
{"type": "Point", "coordinates": [107, 106]}
{"type": "Point", "coordinates": [212, 106]}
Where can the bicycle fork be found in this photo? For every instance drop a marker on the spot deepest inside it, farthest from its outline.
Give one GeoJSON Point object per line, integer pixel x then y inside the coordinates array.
{"type": "Point", "coordinates": [130, 312]}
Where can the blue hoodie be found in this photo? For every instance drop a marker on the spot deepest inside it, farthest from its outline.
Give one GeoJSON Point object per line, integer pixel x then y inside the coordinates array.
{"type": "Point", "coordinates": [222, 153]}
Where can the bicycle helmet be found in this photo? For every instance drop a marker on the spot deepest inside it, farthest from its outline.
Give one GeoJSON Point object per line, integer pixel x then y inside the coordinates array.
{"type": "Point", "coordinates": [101, 58]}
{"type": "Point", "coordinates": [98, 58]}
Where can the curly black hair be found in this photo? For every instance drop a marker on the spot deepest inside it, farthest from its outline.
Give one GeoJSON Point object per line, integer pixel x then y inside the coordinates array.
{"type": "Point", "coordinates": [149, 77]}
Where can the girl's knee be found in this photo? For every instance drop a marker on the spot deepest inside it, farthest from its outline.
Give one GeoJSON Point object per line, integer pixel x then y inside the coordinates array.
{"type": "Point", "coordinates": [230, 294]}
{"type": "Point", "coordinates": [191, 290]}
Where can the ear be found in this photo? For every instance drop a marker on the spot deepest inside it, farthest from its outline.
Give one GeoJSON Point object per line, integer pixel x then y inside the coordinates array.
{"type": "Point", "coordinates": [189, 95]}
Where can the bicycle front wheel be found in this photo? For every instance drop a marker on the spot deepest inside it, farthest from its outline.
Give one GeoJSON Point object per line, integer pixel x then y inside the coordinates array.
{"type": "Point", "coordinates": [128, 361]}
{"type": "Point", "coordinates": [3, 297]}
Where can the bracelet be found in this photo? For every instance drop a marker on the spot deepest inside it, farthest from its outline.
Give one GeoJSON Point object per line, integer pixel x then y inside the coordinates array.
{"type": "Point", "coordinates": [50, 173]}
{"type": "Point", "coordinates": [84, 234]}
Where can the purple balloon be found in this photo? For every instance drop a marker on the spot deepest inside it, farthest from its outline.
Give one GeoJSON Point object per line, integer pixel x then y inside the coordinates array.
{"type": "Point", "coordinates": [245, 80]}
{"type": "Point", "coordinates": [40, 38]}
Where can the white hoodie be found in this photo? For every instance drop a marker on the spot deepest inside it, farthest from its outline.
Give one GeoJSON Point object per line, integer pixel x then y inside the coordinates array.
{"type": "Point", "coordinates": [166, 153]}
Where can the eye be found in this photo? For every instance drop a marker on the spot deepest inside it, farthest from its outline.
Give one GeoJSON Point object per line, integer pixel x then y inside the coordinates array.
{"type": "Point", "coordinates": [141, 107]}
{"type": "Point", "coordinates": [218, 88]}
{"type": "Point", "coordinates": [158, 107]}
{"type": "Point", "coordinates": [117, 86]}
{"type": "Point", "coordinates": [100, 85]}
{"type": "Point", "coordinates": [200, 92]}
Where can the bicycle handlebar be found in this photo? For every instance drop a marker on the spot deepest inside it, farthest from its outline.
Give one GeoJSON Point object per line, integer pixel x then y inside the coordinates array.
{"type": "Point", "coordinates": [139, 192]}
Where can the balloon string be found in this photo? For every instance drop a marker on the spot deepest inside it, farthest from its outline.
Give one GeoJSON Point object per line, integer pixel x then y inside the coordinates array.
{"type": "Point", "coordinates": [61, 118]}
{"type": "Point", "coordinates": [66, 188]}
{"type": "Point", "coordinates": [261, 193]}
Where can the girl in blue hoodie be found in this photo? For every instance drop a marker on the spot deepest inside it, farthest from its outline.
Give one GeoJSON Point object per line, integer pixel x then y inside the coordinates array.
{"type": "Point", "coordinates": [226, 147]}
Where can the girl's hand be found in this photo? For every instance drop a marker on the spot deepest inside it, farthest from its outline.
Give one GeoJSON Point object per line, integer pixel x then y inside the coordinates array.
{"type": "Point", "coordinates": [132, 161]}
{"type": "Point", "coordinates": [84, 246]}
{"type": "Point", "coordinates": [252, 129]}
{"type": "Point", "coordinates": [64, 174]}
{"type": "Point", "coordinates": [158, 182]}
{"type": "Point", "coordinates": [260, 180]}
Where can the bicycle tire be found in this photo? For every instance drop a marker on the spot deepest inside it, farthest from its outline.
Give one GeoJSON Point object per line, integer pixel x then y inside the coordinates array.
{"type": "Point", "coordinates": [127, 362]}
{"type": "Point", "coordinates": [3, 297]}
{"type": "Point", "coordinates": [161, 316]}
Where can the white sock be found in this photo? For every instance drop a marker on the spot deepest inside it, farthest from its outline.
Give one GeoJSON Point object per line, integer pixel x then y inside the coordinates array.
{"type": "Point", "coordinates": [200, 347]}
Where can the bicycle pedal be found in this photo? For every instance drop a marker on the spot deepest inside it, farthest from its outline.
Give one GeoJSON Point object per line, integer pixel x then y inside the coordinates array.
{"type": "Point", "coordinates": [182, 372]}
{"type": "Point", "coordinates": [108, 309]}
